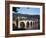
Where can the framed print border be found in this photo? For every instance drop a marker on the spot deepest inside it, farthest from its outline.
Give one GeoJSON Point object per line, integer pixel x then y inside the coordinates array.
{"type": "Point", "coordinates": [7, 18]}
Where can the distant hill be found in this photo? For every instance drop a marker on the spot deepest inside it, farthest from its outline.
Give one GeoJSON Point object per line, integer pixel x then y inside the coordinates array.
{"type": "Point", "coordinates": [26, 15]}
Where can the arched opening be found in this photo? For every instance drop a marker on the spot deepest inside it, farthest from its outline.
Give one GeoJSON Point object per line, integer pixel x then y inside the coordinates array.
{"type": "Point", "coordinates": [27, 24]}
{"type": "Point", "coordinates": [15, 27]}
{"type": "Point", "coordinates": [22, 25]}
{"type": "Point", "coordinates": [31, 24]}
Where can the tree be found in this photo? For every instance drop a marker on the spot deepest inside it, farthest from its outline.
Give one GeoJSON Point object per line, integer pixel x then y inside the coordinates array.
{"type": "Point", "coordinates": [15, 9]}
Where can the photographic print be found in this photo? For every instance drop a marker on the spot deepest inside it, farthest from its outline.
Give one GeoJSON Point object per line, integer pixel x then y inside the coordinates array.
{"type": "Point", "coordinates": [25, 19]}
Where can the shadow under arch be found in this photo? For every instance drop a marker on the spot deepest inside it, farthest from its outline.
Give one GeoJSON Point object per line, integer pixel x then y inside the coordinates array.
{"type": "Point", "coordinates": [22, 26]}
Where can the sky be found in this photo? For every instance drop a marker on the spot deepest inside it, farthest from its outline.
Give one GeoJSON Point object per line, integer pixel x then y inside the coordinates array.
{"type": "Point", "coordinates": [27, 10]}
